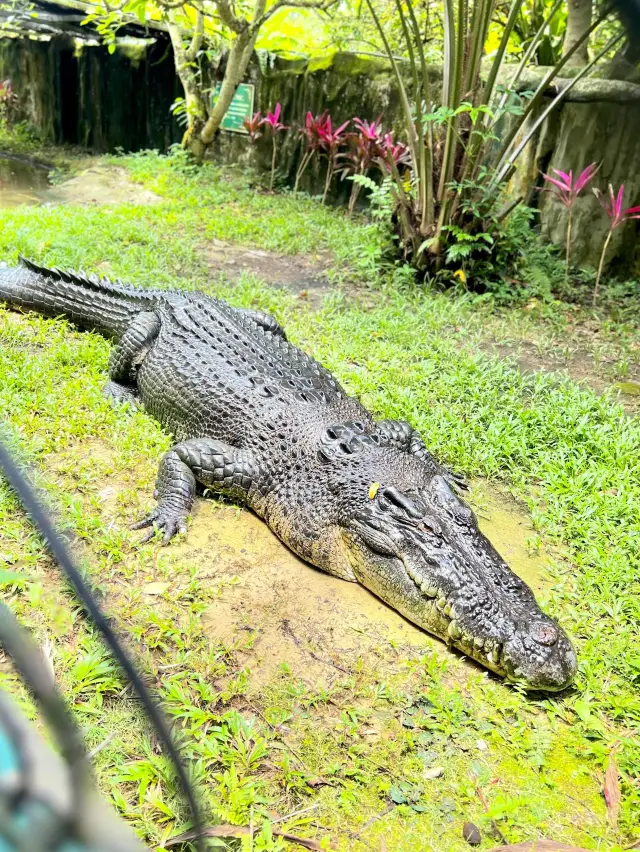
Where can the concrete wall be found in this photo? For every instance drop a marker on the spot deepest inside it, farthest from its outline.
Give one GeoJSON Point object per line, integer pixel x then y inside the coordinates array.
{"type": "Point", "coordinates": [106, 101]}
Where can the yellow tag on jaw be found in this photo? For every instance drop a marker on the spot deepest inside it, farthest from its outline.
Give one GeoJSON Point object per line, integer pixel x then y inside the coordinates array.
{"type": "Point", "coordinates": [373, 489]}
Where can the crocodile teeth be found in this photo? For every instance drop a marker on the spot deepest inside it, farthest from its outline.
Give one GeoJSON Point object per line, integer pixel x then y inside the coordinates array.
{"type": "Point", "coordinates": [429, 591]}
{"type": "Point", "coordinates": [492, 657]}
{"type": "Point", "coordinates": [489, 645]}
{"type": "Point", "coordinates": [441, 603]}
{"type": "Point", "coordinates": [478, 642]}
{"type": "Point", "coordinates": [454, 630]}
{"type": "Point", "coordinates": [447, 609]}
{"type": "Point", "coordinates": [413, 576]}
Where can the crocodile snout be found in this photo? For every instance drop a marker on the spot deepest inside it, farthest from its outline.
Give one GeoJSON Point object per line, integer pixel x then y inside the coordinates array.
{"type": "Point", "coordinates": [540, 656]}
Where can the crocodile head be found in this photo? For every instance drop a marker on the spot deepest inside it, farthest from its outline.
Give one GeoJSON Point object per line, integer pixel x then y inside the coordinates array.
{"type": "Point", "coordinates": [417, 545]}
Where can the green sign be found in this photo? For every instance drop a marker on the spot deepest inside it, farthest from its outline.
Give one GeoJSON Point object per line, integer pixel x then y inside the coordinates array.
{"type": "Point", "coordinates": [241, 107]}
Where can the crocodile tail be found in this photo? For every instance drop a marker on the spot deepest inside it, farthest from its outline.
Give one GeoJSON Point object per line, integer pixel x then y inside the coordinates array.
{"type": "Point", "coordinates": [89, 302]}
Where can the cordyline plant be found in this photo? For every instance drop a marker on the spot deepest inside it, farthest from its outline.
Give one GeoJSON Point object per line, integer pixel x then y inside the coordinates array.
{"type": "Point", "coordinates": [311, 134]}
{"type": "Point", "coordinates": [372, 147]}
{"type": "Point", "coordinates": [459, 166]}
{"type": "Point", "coordinates": [330, 143]}
{"type": "Point", "coordinates": [612, 206]}
{"type": "Point", "coordinates": [252, 126]}
{"type": "Point", "coordinates": [365, 148]}
{"type": "Point", "coordinates": [272, 121]}
{"type": "Point", "coordinates": [566, 191]}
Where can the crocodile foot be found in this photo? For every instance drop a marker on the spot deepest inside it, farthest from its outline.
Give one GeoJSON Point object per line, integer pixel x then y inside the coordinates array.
{"type": "Point", "coordinates": [163, 519]}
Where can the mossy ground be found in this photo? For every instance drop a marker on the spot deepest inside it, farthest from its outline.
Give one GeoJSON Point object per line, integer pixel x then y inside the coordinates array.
{"type": "Point", "coordinates": [408, 741]}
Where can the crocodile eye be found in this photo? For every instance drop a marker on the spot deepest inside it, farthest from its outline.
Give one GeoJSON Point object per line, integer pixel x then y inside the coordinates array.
{"type": "Point", "coordinates": [401, 501]}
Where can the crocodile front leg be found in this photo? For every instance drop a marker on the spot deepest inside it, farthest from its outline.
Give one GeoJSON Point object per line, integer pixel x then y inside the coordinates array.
{"type": "Point", "coordinates": [400, 434]}
{"type": "Point", "coordinates": [127, 355]}
{"type": "Point", "coordinates": [215, 465]}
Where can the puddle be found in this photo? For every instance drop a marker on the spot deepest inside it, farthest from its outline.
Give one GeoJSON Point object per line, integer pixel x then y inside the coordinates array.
{"type": "Point", "coordinates": [21, 181]}
{"type": "Point", "coordinates": [274, 609]}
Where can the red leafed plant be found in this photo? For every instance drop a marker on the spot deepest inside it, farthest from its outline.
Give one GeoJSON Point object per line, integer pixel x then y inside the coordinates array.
{"type": "Point", "coordinates": [8, 102]}
{"type": "Point", "coordinates": [612, 206]}
{"type": "Point", "coordinates": [395, 154]}
{"type": "Point", "coordinates": [253, 125]}
{"type": "Point", "coordinates": [275, 126]}
{"type": "Point", "coordinates": [566, 191]}
{"type": "Point", "coordinates": [365, 148]}
{"type": "Point", "coordinates": [311, 134]}
{"type": "Point", "coordinates": [330, 142]}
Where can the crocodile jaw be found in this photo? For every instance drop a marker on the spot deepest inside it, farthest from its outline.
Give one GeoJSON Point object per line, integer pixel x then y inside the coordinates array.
{"type": "Point", "coordinates": [532, 651]}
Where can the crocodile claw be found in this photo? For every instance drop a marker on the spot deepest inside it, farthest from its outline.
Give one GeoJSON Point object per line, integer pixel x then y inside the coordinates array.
{"type": "Point", "coordinates": [162, 520]}
{"type": "Point", "coordinates": [120, 394]}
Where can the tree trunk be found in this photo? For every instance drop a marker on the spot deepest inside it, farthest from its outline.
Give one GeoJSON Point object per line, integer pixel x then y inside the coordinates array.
{"type": "Point", "coordinates": [241, 50]}
{"type": "Point", "coordinates": [184, 58]}
{"type": "Point", "coordinates": [578, 22]}
{"type": "Point", "coordinates": [239, 56]}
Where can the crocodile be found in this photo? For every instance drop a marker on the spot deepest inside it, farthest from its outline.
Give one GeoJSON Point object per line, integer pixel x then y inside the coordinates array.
{"type": "Point", "coordinates": [256, 419]}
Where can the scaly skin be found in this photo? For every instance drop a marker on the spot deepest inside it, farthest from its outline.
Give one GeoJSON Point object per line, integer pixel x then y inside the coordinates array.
{"type": "Point", "coordinates": [258, 420]}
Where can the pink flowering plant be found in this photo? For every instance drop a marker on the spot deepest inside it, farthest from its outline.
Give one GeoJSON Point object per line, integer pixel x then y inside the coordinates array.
{"type": "Point", "coordinates": [566, 190]}
{"type": "Point", "coordinates": [612, 204]}
{"type": "Point", "coordinates": [364, 150]}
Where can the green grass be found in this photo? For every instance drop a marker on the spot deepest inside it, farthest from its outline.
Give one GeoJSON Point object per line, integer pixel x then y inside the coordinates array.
{"type": "Point", "coordinates": [570, 455]}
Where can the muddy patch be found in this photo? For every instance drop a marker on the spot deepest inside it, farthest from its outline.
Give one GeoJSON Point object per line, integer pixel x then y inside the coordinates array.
{"type": "Point", "coordinates": [101, 185]}
{"type": "Point", "coordinates": [274, 610]}
{"type": "Point", "coordinates": [302, 275]}
{"type": "Point", "coordinates": [578, 363]}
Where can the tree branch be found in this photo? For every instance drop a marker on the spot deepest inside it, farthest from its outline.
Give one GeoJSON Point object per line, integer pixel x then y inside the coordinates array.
{"type": "Point", "coordinates": [320, 5]}
{"type": "Point", "coordinates": [198, 35]}
{"type": "Point", "coordinates": [236, 24]}
{"type": "Point", "coordinates": [170, 4]}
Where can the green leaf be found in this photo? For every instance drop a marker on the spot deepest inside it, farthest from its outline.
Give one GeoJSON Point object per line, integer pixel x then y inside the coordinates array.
{"type": "Point", "coordinates": [397, 796]}
{"type": "Point", "coordinates": [11, 578]}
{"type": "Point", "coordinates": [583, 708]}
